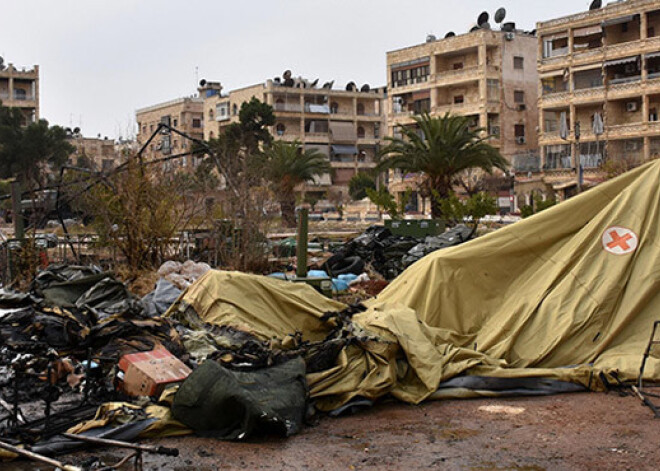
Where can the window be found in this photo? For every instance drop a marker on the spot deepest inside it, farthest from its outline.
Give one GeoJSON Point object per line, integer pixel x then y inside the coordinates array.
{"type": "Point", "coordinates": [211, 113]}
{"type": "Point", "coordinates": [334, 108]}
{"type": "Point", "coordinates": [493, 90]}
{"type": "Point", "coordinates": [280, 128]}
{"type": "Point", "coordinates": [518, 62]}
{"type": "Point", "coordinates": [196, 123]}
{"type": "Point", "coordinates": [459, 99]}
{"type": "Point", "coordinates": [519, 96]}
{"type": "Point", "coordinates": [222, 111]}
{"type": "Point", "coordinates": [360, 108]}
{"type": "Point", "coordinates": [376, 130]}
{"type": "Point", "coordinates": [360, 132]}
{"type": "Point", "coordinates": [519, 131]}
{"type": "Point", "coordinates": [176, 122]}
{"type": "Point", "coordinates": [234, 109]}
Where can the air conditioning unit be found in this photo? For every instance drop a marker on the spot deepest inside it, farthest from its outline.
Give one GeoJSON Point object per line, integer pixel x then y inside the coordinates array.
{"type": "Point", "coordinates": [495, 130]}
{"type": "Point", "coordinates": [520, 140]}
{"type": "Point", "coordinates": [631, 106]}
{"type": "Point", "coordinates": [510, 36]}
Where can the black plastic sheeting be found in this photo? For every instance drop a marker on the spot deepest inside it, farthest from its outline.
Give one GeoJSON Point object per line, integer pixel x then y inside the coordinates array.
{"type": "Point", "coordinates": [234, 405]}
{"type": "Point", "coordinates": [388, 254]}
{"type": "Point", "coordinates": [512, 386]}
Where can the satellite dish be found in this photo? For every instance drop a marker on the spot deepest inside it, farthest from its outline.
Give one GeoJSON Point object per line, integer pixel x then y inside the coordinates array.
{"type": "Point", "coordinates": [2, 63]}
{"type": "Point", "coordinates": [76, 130]}
{"type": "Point", "coordinates": [351, 87]}
{"type": "Point", "coordinates": [500, 14]}
{"type": "Point", "coordinates": [596, 4]}
{"type": "Point", "coordinates": [277, 80]}
{"type": "Point", "coordinates": [314, 83]}
{"type": "Point", "coordinates": [483, 18]}
{"type": "Point", "coordinates": [450, 34]}
{"type": "Point", "coordinates": [430, 38]}
{"type": "Point", "coordinates": [286, 75]}
{"type": "Point", "coordinates": [328, 85]}
{"type": "Point", "coordinates": [474, 28]}
{"type": "Point", "coordinates": [486, 25]}
{"type": "Point", "coordinates": [365, 88]}
{"type": "Point", "coordinates": [202, 82]}
{"type": "Point", "coordinates": [288, 82]}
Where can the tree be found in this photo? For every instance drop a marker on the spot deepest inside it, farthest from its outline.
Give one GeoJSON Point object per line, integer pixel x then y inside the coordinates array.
{"type": "Point", "coordinates": [440, 148]}
{"type": "Point", "coordinates": [538, 205]}
{"type": "Point", "coordinates": [287, 165]}
{"type": "Point", "coordinates": [473, 209]}
{"type": "Point", "coordinates": [358, 185]}
{"type": "Point", "coordinates": [25, 150]}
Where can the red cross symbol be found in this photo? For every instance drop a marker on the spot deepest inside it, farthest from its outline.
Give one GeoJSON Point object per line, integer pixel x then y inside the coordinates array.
{"type": "Point", "coordinates": [619, 240]}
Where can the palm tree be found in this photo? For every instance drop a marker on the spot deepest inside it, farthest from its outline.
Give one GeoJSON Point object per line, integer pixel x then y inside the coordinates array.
{"type": "Point", "coordinates": [441, 148]}
{"type": "Point", "coordinates": [286, 166]}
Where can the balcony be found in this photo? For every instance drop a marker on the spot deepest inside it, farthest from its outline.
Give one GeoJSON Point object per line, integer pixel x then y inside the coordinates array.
{"type": "Point", "coordinates": [288, 107]}
{"type": "Point", "coordinates": [458, 108]}
{"type": "Point", "coordinates": [554, 98]}
{"type": "Point", "coordinates": [624, 130]}
{"type": "Point", "coordinates": [587, 94]}
{"type": "Point", "coordinates": [526, 163]}
{"type": "Point", "coordinates": [452, 76]}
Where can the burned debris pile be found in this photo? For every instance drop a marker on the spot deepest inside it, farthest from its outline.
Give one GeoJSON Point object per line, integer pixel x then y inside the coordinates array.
{"type": "Point", "coordinates": [389, 254]}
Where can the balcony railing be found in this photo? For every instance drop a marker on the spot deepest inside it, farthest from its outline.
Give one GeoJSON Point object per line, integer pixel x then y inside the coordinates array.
{"type": "Point", "coordinates": [591, 160]}
{"type": "Point", "coordinates": [291, 107]}
{"type": "Point", "coordinates": [456, 73]}
{"type": "Point", "coordinates": [624, 129]}
{"type": "Point", "coordinates": [625, 80]}
{"type": "Point", "coordinates": [593, 92]}
{"type": "Point", "coordinates": [4, 95]}
{"type": "Point", "coordinates": [526, 163]}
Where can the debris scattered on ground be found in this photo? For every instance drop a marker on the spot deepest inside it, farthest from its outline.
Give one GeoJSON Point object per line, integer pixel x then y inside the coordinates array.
{"type": "Point", "coordinates": [389, 254]}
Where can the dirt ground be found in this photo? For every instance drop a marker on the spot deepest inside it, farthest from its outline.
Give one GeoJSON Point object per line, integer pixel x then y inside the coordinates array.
{"type": "Point", "coordinates": [571, 431]}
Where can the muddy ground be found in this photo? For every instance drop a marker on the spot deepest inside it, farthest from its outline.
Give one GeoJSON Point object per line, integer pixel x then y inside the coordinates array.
{"type": "Point", "coordinates": [572, 431]}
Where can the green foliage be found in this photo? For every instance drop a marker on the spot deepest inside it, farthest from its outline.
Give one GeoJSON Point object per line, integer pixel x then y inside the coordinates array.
{"type": "Point", "coordinates": [385, 200]}
{"type": "Point", "coordinates": [286, 165]}
{"type": "Point", "coordinates": [538, 206]}
{"type": "Point", "coordinates": [474, 208]}
{"type": "Point", "coordinates": [440, 148]}
{"type": "Point", "coordinates": [25, 149]}
{"type": "Point", "coordinates": [358, 184]}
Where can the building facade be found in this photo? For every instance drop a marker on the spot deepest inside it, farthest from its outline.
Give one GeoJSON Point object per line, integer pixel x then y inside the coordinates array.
{"type": "Point", "coordinates": [102, 155]}
{"type": "Point", "coordinates": [184, 114]}
{"type": "Point", "coordinates": [485, 74]}
{"type": "Point", "coordinates": [20, 89]}
{"type": "Point", "coordinates": [599, 94]}
{"type": "Point", "coordinates": [345, 125]}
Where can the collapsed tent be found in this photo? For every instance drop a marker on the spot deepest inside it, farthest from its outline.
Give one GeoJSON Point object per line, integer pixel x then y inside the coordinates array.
{"type": "Point", "coordinates": [564, 300]}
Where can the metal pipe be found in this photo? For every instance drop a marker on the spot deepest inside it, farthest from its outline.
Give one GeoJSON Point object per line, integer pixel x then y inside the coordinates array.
{"type": "Point", "coordinates": [36, 457]}
{"type": "Point", "coordinates": [301, 246]}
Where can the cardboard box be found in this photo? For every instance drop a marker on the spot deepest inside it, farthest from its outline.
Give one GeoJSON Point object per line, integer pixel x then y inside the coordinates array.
{"type": "Point", "coordinates": [148, 373]}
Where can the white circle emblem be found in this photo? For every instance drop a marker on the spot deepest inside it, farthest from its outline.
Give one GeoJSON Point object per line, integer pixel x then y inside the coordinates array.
{"type": "Point", "coordinates": [619, 240]}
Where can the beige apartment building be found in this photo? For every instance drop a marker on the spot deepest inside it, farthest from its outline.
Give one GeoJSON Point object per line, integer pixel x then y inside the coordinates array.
{"type": "Point", "coordinates": [485, 74]}
{"type": "Point", "coordinates": [101, 153]}
{"type": "Point", "coordinates": [19, 88]}
{"type": "Point", "coordinates": [600, 72]}
{"type": "Point", "coordinates": [184, 114]}
{"type": "Point", "coordinates": [345, 125]}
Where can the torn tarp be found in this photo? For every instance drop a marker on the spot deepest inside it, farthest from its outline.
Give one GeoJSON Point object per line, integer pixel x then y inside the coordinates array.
{"type": "Point", "coordinates": [235, 405]}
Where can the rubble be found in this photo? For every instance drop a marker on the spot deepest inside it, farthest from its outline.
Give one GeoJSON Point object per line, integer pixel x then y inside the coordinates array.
{"type": "Point", "coordinates": [389, 254]}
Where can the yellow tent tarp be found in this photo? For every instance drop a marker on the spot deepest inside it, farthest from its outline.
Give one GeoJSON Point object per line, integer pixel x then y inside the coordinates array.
{"type": "Point", "coordinates": [565, 295]}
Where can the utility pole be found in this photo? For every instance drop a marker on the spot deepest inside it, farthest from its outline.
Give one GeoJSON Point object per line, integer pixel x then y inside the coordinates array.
{"type": "Point", "coordinates": [16, 209]}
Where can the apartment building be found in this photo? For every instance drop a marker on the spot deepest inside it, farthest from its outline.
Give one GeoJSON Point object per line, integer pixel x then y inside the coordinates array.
{"type": "Point", "coordinates": [488, 75]}
{"type": "Point", "coordinates": [184, 114]}
{"type": "Point", "coordinates": [19, 88]}
{"type": "Point", "coordinates": [345, 125]}
{"type": "Point", "coordinates": [102, 154]}
{"type": "Point", "coordinates": [599, 93]}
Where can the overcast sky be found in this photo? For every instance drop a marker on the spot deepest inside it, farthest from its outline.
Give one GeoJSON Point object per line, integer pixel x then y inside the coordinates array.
{"type": "Point", "coordinates": [101, 60]}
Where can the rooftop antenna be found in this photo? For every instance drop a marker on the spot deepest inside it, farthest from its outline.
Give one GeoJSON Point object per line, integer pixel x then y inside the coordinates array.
{"type": "Point", "coordinates": [596, 4]}
{"type": "Point", "coordinates": [197, 75]}
{"type": "Point", "coordinates": [500, 15]}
